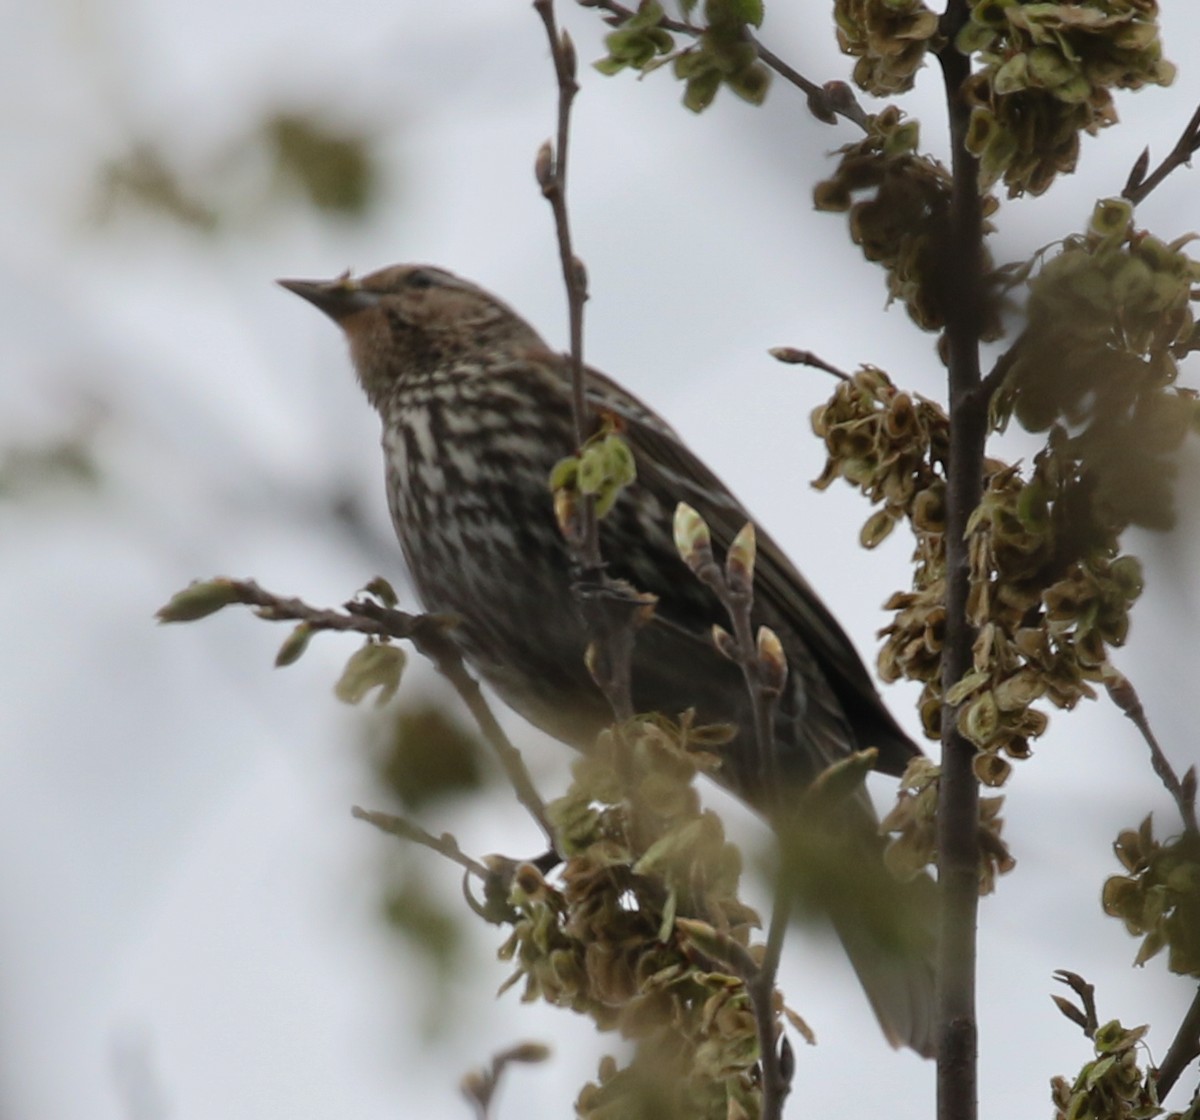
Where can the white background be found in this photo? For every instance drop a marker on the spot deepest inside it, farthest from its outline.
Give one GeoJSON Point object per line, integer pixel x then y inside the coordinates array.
{"type": "Point", "coordinates": [189, 923]}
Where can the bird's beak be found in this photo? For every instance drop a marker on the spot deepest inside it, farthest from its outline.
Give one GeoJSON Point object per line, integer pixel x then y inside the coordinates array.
{"type": "Point", "coordinates": [338, 298]}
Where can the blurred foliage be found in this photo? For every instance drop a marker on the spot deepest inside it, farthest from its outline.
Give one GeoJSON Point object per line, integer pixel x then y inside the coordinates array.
{"type": "Point", "coordinates": [435, 931]}
{"type": "Point", "coordinates": [718, 53]}
{"type": "Point", "coordinates": [1158, 898]}
{"type": "Point", "coordinates": [334, 169]}
{"type": "Point", "coordinates": [144, 179]}
{"type": "Point", "coordinates": [640, 854]}
{"type": "Point", "coordinates": [912, 826]}
{"type": "Point", "coordinates": [1110, 314]}
{"type": "Point", "coordinates": [28, 471]}
{"type": "Point", "coordinates": [904, 222]}
{"type": "Point", "coordinates": [425, 754]}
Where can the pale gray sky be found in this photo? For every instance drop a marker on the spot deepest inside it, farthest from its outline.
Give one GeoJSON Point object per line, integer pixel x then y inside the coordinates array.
{"type": "Point", "coordinates": [188, 906]}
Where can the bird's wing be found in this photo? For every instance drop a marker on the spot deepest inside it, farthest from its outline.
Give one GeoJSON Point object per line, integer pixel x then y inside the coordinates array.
{"type": "Point", "coordinates": [665, 464]}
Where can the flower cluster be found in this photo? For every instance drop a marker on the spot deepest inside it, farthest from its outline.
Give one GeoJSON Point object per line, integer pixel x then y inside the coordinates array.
{"type": "Point", "coordinates": [1109, 315]}
{"type": "Point", "coordinates": [889, 444]}
{"type": "Point", "coordinates": [1113, 1086]}
{"type": "Point", "coordinates": [903, 222]}
{"type": "Point", "coordinates": [720, 55]}
{"type": "Point", "coordinates": [1047, 74]}
{"type": "Point", "coordinates": [1159, 897]}
{"type": "Point", "coordinates": [611, 938]}
{"type": "Point", "coordinates": [1049, 594]}
{"type": "Point", "coordinates": [912, 826]}
{"type": "Point", "coordinates": [889, 38]}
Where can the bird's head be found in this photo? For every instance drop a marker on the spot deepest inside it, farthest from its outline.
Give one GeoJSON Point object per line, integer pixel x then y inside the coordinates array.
{"type": "Point", "coordinates": [409, 319]}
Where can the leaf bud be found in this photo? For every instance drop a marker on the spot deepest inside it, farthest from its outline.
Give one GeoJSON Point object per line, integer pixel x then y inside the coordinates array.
{"type": "Point", "coordinates": [198, 601]}
{"type": "Point", "coordinates": [772, 661]}
{"type": "Point", "coordinates": [543, 168]}
{"type": "Point", "coordinates": [294, 646]}
{"type": "Point", "coordinates": [739, 561]}
{"type": "Point", "coordinates": [724, 642]}
{"type": "Point", "coordinates": [692, 538]}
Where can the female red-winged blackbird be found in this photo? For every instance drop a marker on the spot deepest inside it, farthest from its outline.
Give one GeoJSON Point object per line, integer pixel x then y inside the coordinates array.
{"type": "Point", "coordinates": [476, 410]}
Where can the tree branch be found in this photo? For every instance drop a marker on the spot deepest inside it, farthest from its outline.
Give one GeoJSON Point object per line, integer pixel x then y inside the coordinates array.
{"type": "Point", "coordinates": [958, 795]}
{"type": "Point", "coordinates": [1184, 1049]}
{"type": "Point", "coordinates": [826, 103]}
{"type": "Point", "coordinates": [609, 613]}
{"type": "Point", "coordinates": [444, 845]}
{"type": "Point", "coordinates": [1125, 696]}
{"type": "Point", "coordinates": [764, 669]}
{"type": "Point", "coordinates": [429, 633]}
{"type": "Point", "coordinates": [789, 355]}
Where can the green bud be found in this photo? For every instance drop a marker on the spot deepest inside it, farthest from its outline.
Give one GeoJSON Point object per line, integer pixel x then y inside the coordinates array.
{"type": "Point", "coordinates": [700, 90]}
{"type": "Point", "coordinates": [772, 661]}
{"type": "Point", "coordinates": [692, 538]}
{"type": "Point", "coordinates": [198, 601]}
{"type": "Point", "coordinates": [564, 473]}
{"type": "Point", "coordinates": [383, 591]}
{"type": "Point", "coordinates": [724, 642]}
{"type": "Point", "coordinates": [376, 665]}
{"type": "Point", "coordinates": [739, 561]}
{"type": "Point", "coordinates": [294, 646]}
{"type": "Point", "coordinates": [1111, 217]}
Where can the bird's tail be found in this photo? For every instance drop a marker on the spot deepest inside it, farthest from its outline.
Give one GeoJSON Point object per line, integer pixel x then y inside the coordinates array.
{"type": "Point", "coordinates": [894, 956]}
{"type": "Point", "coordinates": [888, 927]}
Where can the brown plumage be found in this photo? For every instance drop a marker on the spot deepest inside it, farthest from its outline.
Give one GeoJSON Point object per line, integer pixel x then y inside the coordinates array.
{"type": "Point", "coordinates": [476, 411]}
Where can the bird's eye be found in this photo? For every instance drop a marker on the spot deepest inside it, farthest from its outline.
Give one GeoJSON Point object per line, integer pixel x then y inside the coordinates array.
{"type": "Point", "coordinates": [420, 280]}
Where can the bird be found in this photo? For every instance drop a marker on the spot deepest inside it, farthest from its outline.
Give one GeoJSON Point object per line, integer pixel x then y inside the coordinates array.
{"type": "Point", "coordinates": [476, 410]}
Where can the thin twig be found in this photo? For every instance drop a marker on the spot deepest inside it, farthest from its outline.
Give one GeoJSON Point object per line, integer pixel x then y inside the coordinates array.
{"type": "Point", "coordinates": [827, 102]}
{"type": "Point", "coordinates": [776, 1076]}
{"type": "Point", "coordinates": [775, 1061]}
{"type": "Point", "coordinates": [995, 377]}
{"type": "Point", "coordinates": [764, 669]}
{"type": "Point", "coordinates": [552, 177]}
{"type": "Point", "coordinates": [1184, 1049]}
{"type": "Point", "coordinates": [609, 619]}
{"type": "Point", "coordinates": [1139, 185]}
{"type": "Point", "coordinates": [789, 355]}
{"type": "Point", "coordinates": [444, 845]}
{"type": "Point", "coordinates": [479, 1087]}
{"type": "Point", "coordinates": [1125, 696]}
{"type": "Point", "coordinates": [430, 634]}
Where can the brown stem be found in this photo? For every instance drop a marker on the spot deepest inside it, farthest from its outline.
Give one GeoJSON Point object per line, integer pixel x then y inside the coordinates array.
{"type": "Point", "coordinates": [430, 634]}
{"type": "Point", "coordinates": [1139, 185]}
{"type": "Point", "coordinates": [608, 619]}
{"type": "Point", "coordinates": [958, 795]}
{"type": "Point", "coordinates": [734, 590]}
{"type": "Point", "coordinates": [1125, 696]}
{"type": "Point", "coordinates": [789, 355]}
{"type": "Point", "coordinates": [552, 176]}
{"type": "Point", "coordinates": [444, 845]}
{"type": "Point", "coordinates": [1184, 1049]}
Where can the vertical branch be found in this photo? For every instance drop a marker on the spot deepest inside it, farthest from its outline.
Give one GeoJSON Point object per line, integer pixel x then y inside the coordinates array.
{"type": "Point", "coordinates": [958, 803]}
{"type": "Point", "coordinates": [764, 669]}
{"type": "Point", "coordinates": [552, 178]}
{"type": "Point", "coordinates": [610, 612]}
